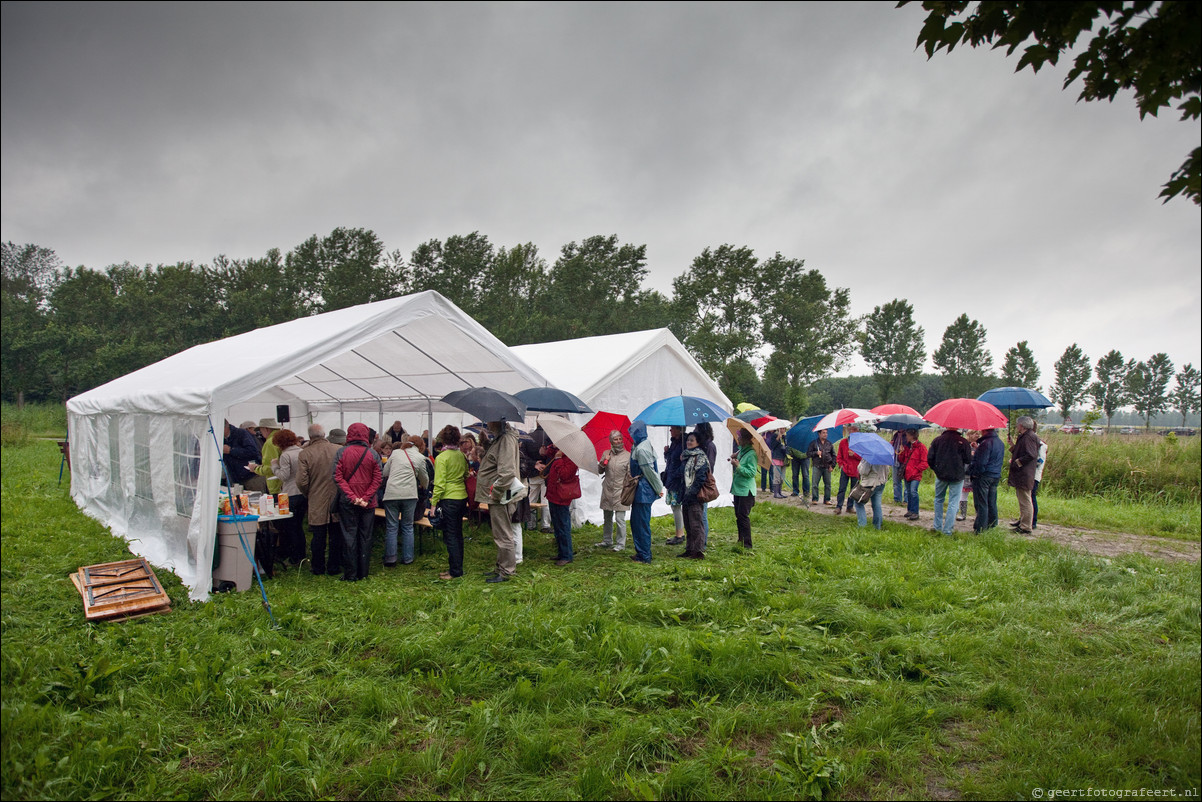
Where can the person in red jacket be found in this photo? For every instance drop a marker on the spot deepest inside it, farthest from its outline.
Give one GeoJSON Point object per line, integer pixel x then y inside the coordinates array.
{"type": "Point", "coordinates": [913, 461]}
{"type": "Point", "coordinates": [849, 471]}
{"type": "Point", "coordinates": [358, 475]}
{"type": "Point", "coordinates": [563, 485]}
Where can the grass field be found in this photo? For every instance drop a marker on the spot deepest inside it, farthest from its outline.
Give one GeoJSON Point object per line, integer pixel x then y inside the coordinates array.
{"type": "Point", "coordinates": [832, 662]}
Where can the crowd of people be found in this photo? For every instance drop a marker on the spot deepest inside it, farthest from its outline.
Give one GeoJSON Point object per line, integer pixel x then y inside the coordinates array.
{"type": "Point", "coordinates": [339, 484]}
{"type": "Point", "coordinates": [965, 465]}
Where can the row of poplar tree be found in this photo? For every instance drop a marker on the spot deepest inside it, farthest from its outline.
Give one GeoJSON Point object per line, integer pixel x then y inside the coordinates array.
{"type": "Point", "coordinates": [66, 329]}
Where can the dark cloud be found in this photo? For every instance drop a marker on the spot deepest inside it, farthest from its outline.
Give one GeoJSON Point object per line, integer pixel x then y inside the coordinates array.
{"type": "Point", "coordinates": [165, 132]}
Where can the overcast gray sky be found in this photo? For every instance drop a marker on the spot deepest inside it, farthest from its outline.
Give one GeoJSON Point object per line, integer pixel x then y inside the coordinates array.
{"type": "Point", "coordinates": [161, 133]}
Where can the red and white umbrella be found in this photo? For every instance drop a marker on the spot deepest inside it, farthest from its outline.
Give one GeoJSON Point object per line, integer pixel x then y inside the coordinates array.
{"type": "Point", "coordinates": [844, 417]}
{"type": "Point", "coordinates": [966, 413]}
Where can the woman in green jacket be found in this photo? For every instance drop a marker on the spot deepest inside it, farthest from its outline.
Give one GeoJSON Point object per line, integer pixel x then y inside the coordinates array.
{"type": "Point", "coordinates": [450, 494]}
{"type": "Point", "coordinates": [742, 485]}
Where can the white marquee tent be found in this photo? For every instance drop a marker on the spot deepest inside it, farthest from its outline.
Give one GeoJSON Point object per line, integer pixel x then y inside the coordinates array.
{"type": "Point", "coordinates": [625, 373]}
{"type": "Point", "coordinates": [146, 448]}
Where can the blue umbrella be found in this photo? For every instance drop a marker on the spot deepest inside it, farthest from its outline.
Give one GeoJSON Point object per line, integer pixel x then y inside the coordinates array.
{"type": "Point", "coordinates": [1015, 398]}
{"type": "Point", "coordinates": [802, 434]}
{"type": "Point", "coordinates": [682, 410]}
{"type": "Point", "coordinates": [872, 448]}
{"type": "Point", "coordinates": [551, 399]}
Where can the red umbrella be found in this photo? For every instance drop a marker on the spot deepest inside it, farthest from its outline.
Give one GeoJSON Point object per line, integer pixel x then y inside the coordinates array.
{"type": "Point", "coordinates": [966, 413]}
{"type": "Point", "coordinates": [600, 425]}
{"type": "Point", "coordinates": [895, 409]}
{"type": "Point", "coordinates": [758, 422]}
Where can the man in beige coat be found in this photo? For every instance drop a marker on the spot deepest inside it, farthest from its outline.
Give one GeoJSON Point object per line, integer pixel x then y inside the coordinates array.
{"type": "Point", "coordinates": [615, 466]}
{"type": "Point", "coordinates": [316, 480]}
{"type": "Point", "coordinates": [498, 469]}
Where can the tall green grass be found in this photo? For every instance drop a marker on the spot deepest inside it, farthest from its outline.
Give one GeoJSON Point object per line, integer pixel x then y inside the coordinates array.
{"type": "Point", "coordinates": [33, 420]}
{"type": "Point", "coordinates": [1125, 468]}
{"type": "Point", "coordinates": [833, 662]}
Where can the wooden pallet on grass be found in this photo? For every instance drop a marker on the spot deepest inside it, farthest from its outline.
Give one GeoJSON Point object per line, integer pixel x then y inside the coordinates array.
{"type": "Point", "coordinates": [124, 589]}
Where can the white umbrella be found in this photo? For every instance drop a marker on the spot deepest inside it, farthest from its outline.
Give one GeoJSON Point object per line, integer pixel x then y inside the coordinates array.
{"type": "Point", "coordinates": [572, 441]}
{"type": "Point", "coordinates": [772, 425]}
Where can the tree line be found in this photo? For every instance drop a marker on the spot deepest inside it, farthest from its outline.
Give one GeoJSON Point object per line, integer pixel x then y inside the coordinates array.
{"type": "Point", "coordinates": [767, 329]}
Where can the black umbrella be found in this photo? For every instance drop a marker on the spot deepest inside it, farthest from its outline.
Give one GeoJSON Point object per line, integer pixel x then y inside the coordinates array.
{"type": "Point", "coordinates": [551, 399]}
{"type": "Point", "coordinates": [487, 404]}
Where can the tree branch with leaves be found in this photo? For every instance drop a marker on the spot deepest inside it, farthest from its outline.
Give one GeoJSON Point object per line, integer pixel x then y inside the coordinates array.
{"type": "Point", "coordinates": [1152, 48]}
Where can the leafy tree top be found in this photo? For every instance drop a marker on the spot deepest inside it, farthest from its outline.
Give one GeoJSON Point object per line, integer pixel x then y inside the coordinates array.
{"type": "Point", "coordinates": [1151, 48]}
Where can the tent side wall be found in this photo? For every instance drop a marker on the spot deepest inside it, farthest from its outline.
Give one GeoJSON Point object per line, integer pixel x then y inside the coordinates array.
{"type": "Point", "coordinates": [143, 475]}
{"type": "Point", "coordinates": [662, 373]}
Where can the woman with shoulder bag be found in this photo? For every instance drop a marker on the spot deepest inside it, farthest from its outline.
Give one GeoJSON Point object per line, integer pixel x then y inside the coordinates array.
{"type": "Point", "coordinates": [563, 487]}
{"type": "Point", "coordinates": [405, 477]}
{"type": "Point", "coordinates": [871, 487]}
{"type": "Point", "coordinates": [696, 472]}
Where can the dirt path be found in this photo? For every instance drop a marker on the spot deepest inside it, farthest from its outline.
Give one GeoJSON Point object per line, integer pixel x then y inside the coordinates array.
{"type": "Point", "coordinates": [1092, 541]}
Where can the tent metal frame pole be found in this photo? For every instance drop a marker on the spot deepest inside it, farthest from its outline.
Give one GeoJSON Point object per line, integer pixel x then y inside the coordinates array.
{"type": "Point", "coordinates": [428, 356]}
{"type": "Point", "coordinates": [341, 417]}
{"type": "Point", "coordinates": [380, 425]}
{"type": "Point", "coordinates": [429, 425]}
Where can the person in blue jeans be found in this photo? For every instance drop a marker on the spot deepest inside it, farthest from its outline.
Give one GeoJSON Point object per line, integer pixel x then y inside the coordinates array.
{"type": "Point", "coordinates": [563, 486]}
{"type": "Point", "coordinates": [705, 441]}
{"type": "Point", "coordinates": [913, 462]}
{"type": "Point", "coordinates": [986, 472]}
{"type": "Point", "coordinates": [949, 456]}
{"type": "Point", "coordinates": [405, 474]}
{"type": "Point", "coordinates": [899, 484]}
{"type": "Point", "coordinates": [874, 477]}
{"type": "Point", "coordinates": [643, 466]}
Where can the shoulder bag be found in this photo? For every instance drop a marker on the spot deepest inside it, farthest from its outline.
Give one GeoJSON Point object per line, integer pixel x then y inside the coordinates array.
{"type": "Point", "coordinates": [708, 491]}
{"type": "Point", "coordinates": [629, 487]}
{"type": "Point", "coordinates": [861, 493]}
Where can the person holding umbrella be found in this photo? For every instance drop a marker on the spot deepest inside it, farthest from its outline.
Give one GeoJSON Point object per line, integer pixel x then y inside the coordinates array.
{"type": "Point", "coordinates": [776, 447]}
{"type": "Point", "coordinates": [705, 441]}
{"type": "Point", "coordinates": [1024, 459]}
{"type": "Point", "coordinates": [742, 485]}
{"type": "Point", "coordinates": [498, 470]}
{"type": "Point", "coordinates": [673, 481]}
{"type": "Point", "coordinates": [872, 480]}
{"type": "Point", "coordinates": [849, 471]}
{"type": "Point", "coordinates": [644, 468]}
{"type": "Point", "coordinates": [986, 472]}
{"type": "Point", "coordinates": [563, 485]}
{"type": "Point", "coordinates": [899, 483]}
{"type": "Point", "coordinates": [696, 468]}
{"type": "Point", "coordinates": [614, 465]}
{"type": "Point", "coordinates": [949, 457]}
{"type": "Point", "coordinates": [822, 455]}
{"type": "Point", "coordinates": [914, 462]}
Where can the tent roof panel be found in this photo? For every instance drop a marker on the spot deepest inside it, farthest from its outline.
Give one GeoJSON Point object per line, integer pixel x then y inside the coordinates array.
{"type": "Point", "coordinates": [411, 346]}
{"type": "Point", "coordinates": [587, 365]}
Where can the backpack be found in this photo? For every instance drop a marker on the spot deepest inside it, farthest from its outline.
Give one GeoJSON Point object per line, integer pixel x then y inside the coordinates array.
{"type": "Point", "coordinates": [946, 461]}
